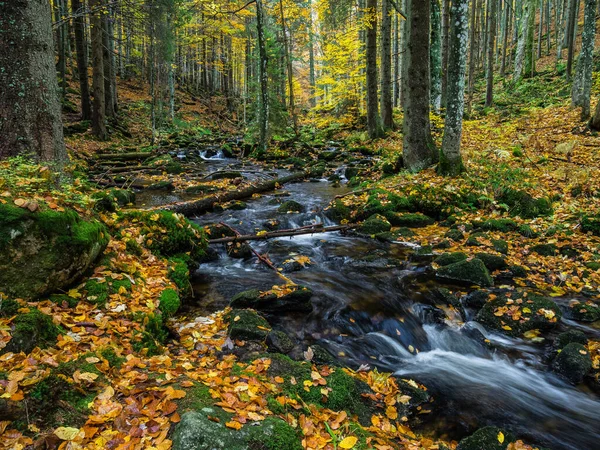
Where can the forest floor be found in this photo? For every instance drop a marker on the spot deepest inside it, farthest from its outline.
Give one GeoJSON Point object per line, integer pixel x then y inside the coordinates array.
{"type": "Point", "coordinates": [114, 379]}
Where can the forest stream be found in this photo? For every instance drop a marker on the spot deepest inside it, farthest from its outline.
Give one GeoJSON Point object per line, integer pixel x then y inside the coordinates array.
{"type": "Point", "coordinates": [378, 304]}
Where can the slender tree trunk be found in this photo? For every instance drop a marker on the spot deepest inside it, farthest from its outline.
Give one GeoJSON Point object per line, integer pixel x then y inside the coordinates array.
{"type": "Point", "coordinates": [288, 55]}
{"type": "Point", "coordinates": [373, 119]}
{"type": "Point", "coordinates": [489, 92]}
{"type": "Point", "coordinates": [386, 66]}
{"type": "Point", "coordinates": [582, 83]}
{"type": "Point", "coordinates": [595, 121]}
{"type": "Point", "coordinates": [450, 158]}
{"type": "Point", "coordinates": [418, 149]}
{"type": "Point", "coordinates": [263, 116]}
{"type": "Point", "coordinates": [472, 55]}
{"type": "Point", "coordinates": [81, 50]}
{"type": "Point", "coordinates": [435, 56]}
{"type": "Point", "coordinates": [30, 113]}
{"type": "Point", "coordinates": [445, 46]}
{"type": "Point", "coordinates": [529, 44]}
{"type": "Point", "coordinates": [99, 113]}
{"type": "Point", "coordinates": [106, 64]}
{"type": "Point", "coordinates": [521, 43]}
{"type": "Point", "coordinates": [311, 57]}
{"type": "Point", "coordinates": [507, 11]}
{"type": "Point", "coordinates": [396, 61]}
{"type": "Point", "coordinates": [570, 36]}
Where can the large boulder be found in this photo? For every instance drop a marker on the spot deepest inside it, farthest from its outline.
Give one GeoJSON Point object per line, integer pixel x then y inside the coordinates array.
{"type": "Point", "coordinates": [486, 438]}
{"type": "Point", "coordinates": [294, 298]}
{"type": "Point", "coordinates": [30, 330]}
{"type": "Point", "coordinates": [45, 251]}
{"type": "Point", "coordinates": [573, 362]}
{"type": "Point", "coordinates": [468, 271]}
{"type": "Point", "coordinates": [247, 325]}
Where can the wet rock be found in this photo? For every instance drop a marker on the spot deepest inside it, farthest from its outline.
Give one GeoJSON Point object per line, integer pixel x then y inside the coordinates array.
{"type": "Point", "coordinates": [446, 259]}
{"type": "Point", "coordinates": [197, 432]}
{"type": "Point", "coordinates": [201, 189]}
{"type": "Point", "coordinates": [45, 251]}
{"type": "Point", "coordinates": [486, 438]}
{"type": "Point", "coordinates": [322, 356]}
{"type": "Point", "coordinates": [298, 299]}
{"type": "Point", "coordinates": [31, 330]}
{"type": "Point", "coordinates": [573, 362]}
{"type": "Point", "coordinates": [247, 325]}
{"type": "Point", "coordinates": [161, 186]}
{"type": "Point", "coordinates": [375, 224]}
{"type": "Point", "coordinates": [455, 235]}
{"type": "Point", "coordinates": [225, 175]}
{"type": "Point", "coordinates": [586, 311]}
{"type": "Point", "coordinates": [519, 313]}
{"type": "Point", "coordinates": [236, 205]}
{"type": "Point", "coordinates": [492, 262]}
{"type": "Point", "coordinates": [410, 407]}
{"type": "Point", "coordinates": [411, 220]}
{"type": "Point", "coordinates": [473, 240]}
{"type": "Point", "coordinates": [279, 342]}
{"type": "Point", "coordinates": [271, 225]}
{"type": "Point", "coordinates": [568, 337]}
{"type": "Point", "coordinates": [469, 271]}
{"type": "Point", "coordinates": [476, 299]}
{"type": "Point", "coordinates": [239, 250]}
{"type": "Point", "coordinates": [112, 199]}
{"type": "Point", "coordinates": [290, 206]}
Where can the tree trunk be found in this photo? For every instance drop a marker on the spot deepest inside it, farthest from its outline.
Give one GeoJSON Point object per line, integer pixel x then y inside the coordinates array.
{"type": "Point", "coordinates": [81, 50]}
{"type": "Point", "coordinates": [529, 45]}
{"type": "Point", "coordinates": [263, 115]}
{"type": "Point", "coordinates": [521, 43]}
{"type": "Point", "coordinates": [595, 121]}
{"type": "Point", "coordinates": [435, 56]}
{"type": "Point", "coordinates": [582, 83]}
{"type": "Point", "coordinates": [472, 55]}
{"type": "Point", "coordinates": [445, 46]}
{"type": "Point", "coordinates": [418, 149]}
{"type": "Point", "coordinates": [489, 92]}
{"type": "Point", "coordinates": [30, 113]}
{"type": "Point", "coordinates": [450, 159]}
{"type": "Point", "coordinates": [99, 112]}
{"type": "Point", "coordinates": [373, 119]}
{"type": "Point", "coordinates": [311, 59]}
{"type": "Point", "coordinates": [290, 75]}
{"type": "Point", "coordinates": [570, 36]}
{"type": "Point", "coordinates": [507, 12]}
{"type": "Point", "coordinates": [109, 100]}
{"type": "Point", "coordinates": [386, 66]}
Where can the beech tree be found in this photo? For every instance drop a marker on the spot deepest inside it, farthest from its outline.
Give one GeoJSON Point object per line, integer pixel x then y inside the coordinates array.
{"type": "Point", "coordinates": [582, 83]}
{"type": "Point", "coordinates": [450, 158]}
{"type": "Point", "coordinates": [30, 114]}
{"type": "Point", "coordinates": [374, 125]}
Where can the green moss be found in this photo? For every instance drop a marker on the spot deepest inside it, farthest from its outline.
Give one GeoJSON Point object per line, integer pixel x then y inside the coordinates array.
{"type": "Point", "coordinates": [246, 324]}
{"type": "Point", "coordinates": [500, 245]}
{"type": "Point", "coordinates": [591, 224]}
{"type": "Point", "coordinates": [545, 249]}
{"type": "Point", "coordinates": [473, 240]}
{"type": "Point", "coordinates": [273, 434]}
{"type": "Point", "coordinates": [527, 231]}
{"type": "Point", "coordinates": [492, 262]}
{"type": "Point", "coordinates": [573, 362]}
{"type": "Point", "coordinates": [503, 225]}
{"type": "Point", "coordinates": [169, 302]}
{"type": "Point", "coordinates": [32, 329]}
{"type": "Point", "coordinates": [111, 356]}
{"type": "Point", "coordinates": [338, 211]}
{"type": "Point", "coordinates": [290, 206]}
{"type": "Point", "coordinates": [486, 439]}
{"type": "Point", "coordinates": [133, 247]}
{"type": "Point", "coordinates": [97, 292]}
{"type": "Point", "coordinates": [468, 271]}
{"type": "Point", "coordinates": [568, 337]}
{"type": "Point", "coordinates": [411, 220]}
{"type": "Point", "coordinates": [8, 307]}
{"type": "Point", "coordinates": [10, 218]}
{"type": "Point", "coordinates": [179, 273]}
{"type": "Point", "coordinates": [153, 336]}
{"type": "Point", "coordinates": [450, 258]}
{"type": "Point", "coordinates": [63, 299]}
{"type": "Point", "coordinates": [520, 203]}
{"type": "Point", "coordinates": [116, 285]}
{"type": "Point", "coordinates": [196, 398]}
{"type": "Point", "coordinates": [375, 224]}
{"type": "Point", "coordinates": [455, 234]}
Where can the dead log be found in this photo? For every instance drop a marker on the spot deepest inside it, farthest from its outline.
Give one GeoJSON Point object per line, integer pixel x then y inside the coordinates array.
{"type": "Point", "coordinates": [313, 229]}
{"type": "Point", "coordinates": [205, 204]}
{"type": "Point", "coordinates": [125, 156]}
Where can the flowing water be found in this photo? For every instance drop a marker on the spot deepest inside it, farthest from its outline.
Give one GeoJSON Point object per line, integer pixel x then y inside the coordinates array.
{"type": "Point", "coordinates": [375, 303]}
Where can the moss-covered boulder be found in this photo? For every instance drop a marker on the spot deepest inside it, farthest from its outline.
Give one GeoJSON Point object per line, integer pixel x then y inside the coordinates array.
{"type": "Point", "coordinates": [112, 199]}
{"type": "Point", "coordinates": [487, 438]}
{"type": "Point", "coordinates": [446, 259]}
{"type": "Point", "coordinates": [410, 220]}
{"type": "Point", "coordinates": [169, 302]}
{"type": "Point", "coordinates": [568, 337]}
{"type": "Point", "coordinates": [279, 342]}
{"type": "Point", "coordinates": [273, 434]}
{"type": "Point", "coordinates": [247, 325]}
{"type": "Point", "coordinates": [375, 224]}
{"type": "Point", "coordinates": [45, 251]}
{"type": "Point", "coordinates": [239, 250]}
{"type": "Point", "coordinates": [472, 272]}
{"type": "Point", "coordinates": [591, 224]}
{"type": "Point", "coordinates": [492, 262]}
{"type": "Point", "coordinates": [503, 225]}
{"type": "Point", "coordinates": [545, 249]}
{"type": "Point", "coordinates": [30, 330]}
{"type": "Point", "coordinates": [583, 311]}
{"type": "Point", "coordinates": [522, 204]}
{"type": "Point", "coordinates": [291, 206]}
{"type": "Point", "coordinates": [454, 234]}
{"type": "Point", "coordinates": [519, 313]}
{"type": "Point", "coordinates": [573, 362]}
{"type": "Point", "coordinates": [294, 298]}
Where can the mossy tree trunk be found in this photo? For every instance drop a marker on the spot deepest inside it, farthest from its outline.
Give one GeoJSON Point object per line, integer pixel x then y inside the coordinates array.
{"type": "Point", "coordinates": [491, 40]}
{"type": "Point", "coordinates": [263, 115]}
{"type": "Point", "coordinates": [418, 148]}
{"type": "Point", "coordinates": [582, 83]}
{"type": "Point", "coordinates": [30, 113]}
{"type": "Point", "coordinates": [521, 43]}
{"type": "Point", "coordinates": [99, 110]}
{"type": "Point", "coordinates": [450, 159]}
{"type": "Point", "coordinates": [374, 125]}
{"type": "Point", "coordinates": [386, 65]}
{"type": "Point", "coordinates": [81, 51]}
{"type": "Point", "coordinates": [435, 56]}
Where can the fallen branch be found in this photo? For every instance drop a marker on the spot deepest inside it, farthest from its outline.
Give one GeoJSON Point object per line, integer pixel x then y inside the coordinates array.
{"type": "Point", "coordinates": [205, 204]}
{"type": "Point", "coordinates": [360, 191]}
{"type": "Point", "coordinates": [312, 229]}
{"type": "Point", "coordinates": [125, 156]}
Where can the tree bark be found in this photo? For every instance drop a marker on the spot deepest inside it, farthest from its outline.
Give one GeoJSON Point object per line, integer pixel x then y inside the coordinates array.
{"type": "Point", "coordinates": [30, 113]}
{"type": "Point", "coordinates": [445, 47]}
{"type": "Point", "coordinates": [582, 83]}
{"type": "Point", "coordinates": [109, 99]}
{"type": "Point", "coordinates": [99, 111]}
{"type": "Point", "coordinates": [435, 56]}
{"type": "Point", "coordinates": [489, 92]}
{"type": "Point", "coordinates": [418, 148]}
{"type": "Point", "coordinates": [570, 36]}
{"type": "Point", "coordinates": [81, 50]}
{"type": "Point", "coordinates": [450, 159]}
{"type": "Point", "coordinates": [373, 119]}
{"type": "Point", "coordinates": [521, 43]}
{"type": "Point", "coordinates": [263, 115]}
{"type": "Point", "coordinates": [386, 66]}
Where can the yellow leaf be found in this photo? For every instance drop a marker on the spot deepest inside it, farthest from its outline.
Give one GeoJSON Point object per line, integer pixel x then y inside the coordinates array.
{"type": "Point", "coordinates": [391, 412]}
{"type": "Point", "coordinates": [500, 437]}
{"type": "Point", "coordinates": [73, 293]}
{"type": "Point", "coordinates": [234, 425]}
{"type": "Point", "coordinates": [66, 433]}
{"type": "Point", "coordinates": [348, 442]}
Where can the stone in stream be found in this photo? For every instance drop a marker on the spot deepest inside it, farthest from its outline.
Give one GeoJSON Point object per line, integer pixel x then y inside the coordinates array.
{"type": "Point", "coordinates": [487, 438]}
{"type": "Point", "coordinates": [240, 250]}
{"type": "Point", "coordinates": [446, 259]}
{"type": "Point", "coordinates": [43, 251]}
{"type": "Point", "coordinates": [583, 311]}
{"type": "Point", "coordinates": [519, 313]}
{"type": "Point", "coordinates": [468, 271]}
{"type": "Point", "coordinates": [573, 362]}
{"type": "Point", "coordinates": [290, 206]}
{"type": "Point", "coordinates": [271, 225]}
{"type": "Point", "coordinates": [492, 262]}
{"type": "Point", "coordinates": [225, 175]}
{"type": "Point", "coordinates": [375, 224]}
{"type": "Point", "coordinates": [297, 299]}
{"type": "Point", "coordinates": [568, 337]}
{"type": "Point", "coordinates": [247, 325]}
{"type": "Point", "coordinates": [279, 342]}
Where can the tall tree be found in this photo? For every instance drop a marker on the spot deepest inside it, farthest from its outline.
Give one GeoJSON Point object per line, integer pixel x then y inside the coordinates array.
{"type": "Point", "coordinates": [99, 110]}
{"type": "Point", "coordinates": [374, 125]}
{"type": "Point", "coordinates": [450, 158]}
{"type": "Point", "coordinates": [582, 83]}
{"type": "Point", "coordinates": [522, 42]}
{"type": "Point", "coordinates": [418, 148]}
{"type": "Point", "coordinates": [529, 40]}
{"type": "Point", "coordinates": [491, 41]}
{"type": "Point", "coordinates": [82, 63]}
{"type": "Point", "coordinates": [435, 56]}
{"type": "Point", "coordinates": [263, 108]}
{"type": "Point", "coordinates": [386, 65]}
{"type": "Point", "coordinates": [570, 35]}
{"type": "Point", "coordinates": [445, 46]}
{"type": "Point", "coordinates": [30, 114]}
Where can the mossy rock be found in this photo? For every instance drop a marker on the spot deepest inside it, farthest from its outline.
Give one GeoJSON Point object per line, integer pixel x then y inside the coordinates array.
{"type": "Point", "coordinates": [573, 362]}
{"type": "Point", "coordinates": [239, 250]}
{"type": "Point", "coordinates": [8, 307]}
{"type": "Point", "coordinates": [522, 204]}
{"type": "Point", "coordinates": [97, 291]}
{"type": "Point", "coordinates": [518, 271]}
{"type": "Point", "coordinates": [591, 224]}
{"type": "Point", "coordinates": [534, 312]}
{"type": "Point", "coordinates": [179, 273]}
{"type": "Point", "coordinates": [338, 211]}
{"type": "Point", "coordinates": [545, 249]}
{"type": "Point", "coordinates": [503, 225]}
{"type": "Point", "coordinates": [568, 337]}
{"type": "Point", "coordinates": [492, 262]}
{"type": "Point", "coordinates": [112, 199]}
{"type": "Point", "coordinates": [476, 299]}
{"type": "Point", "coordinates": [473, 240]}
{"type": "Point", "coordinates": [196, 431]}
{"type": "Point", "coordinates": [45, 251]}
{"type": "Point", "coordinates": [454, 234]}
{"type": "Point", "coordinates": [247, 325]}
{"type": "Point", "coordinates": [418, 397]}
{"type": "Point", "coordinates": [410, 220]}
{"type": "Point", "coordinates": [225, 175]}
{"type": "Point", "coordinates": [273, 434]}
{"type": "Point", "coordinates": [527, 231]}
{"type": "Point", "coordinates": [161, 186]}
{"type": "Point", "coordinates": [290, 206]}
{"type": "Point", "coordinates": [375, 224]}
{"type": "Point", "coordinates": [297, 299]}
{"type": "Point", "coordinates": [30, 330]}
{"type": "Point", "coordinates": [486, 438]}
{"type": "Point", "coordinates": [322, 356]}
{"type": "Point", "coordinates": [169, 302]}
{"type": "Point", "coordinates": [236, 205]}
{"type": "Point", "coordinates": [279, 342]}
{"type": "Point", "coordinates": [472, 272]}
{"type": "Point", "coordinates": [583, 311]}
{"type": "Point", "coordinates": [446, 259]}
{"type": "Point", "coordinates": [500, 245]}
